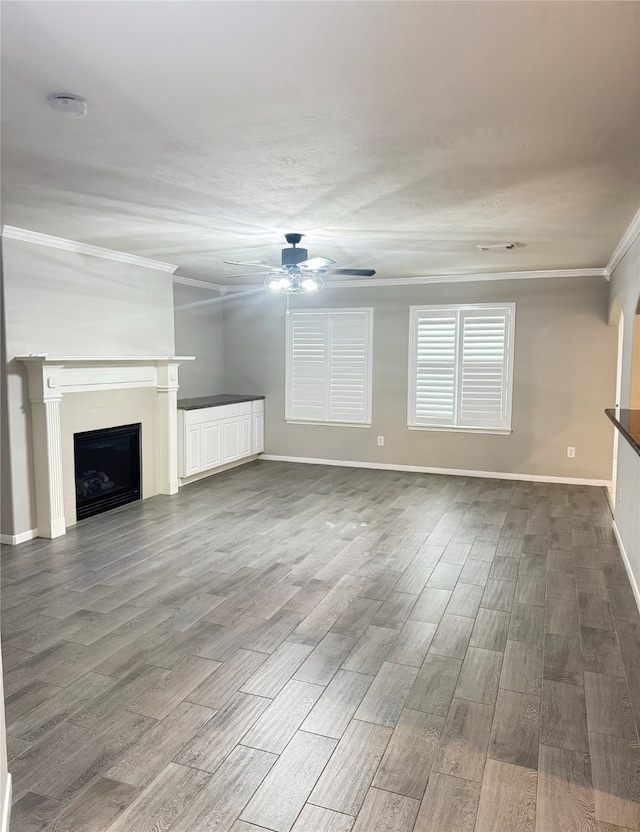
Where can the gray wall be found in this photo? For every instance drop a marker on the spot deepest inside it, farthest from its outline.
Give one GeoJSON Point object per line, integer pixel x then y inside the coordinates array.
{"type": "Point", "coordinates": [63, 303]}
{"type": "Point", "coordinates": [565, 356]}
{"type": "Point", "coordinates": [199, 332]}
{"type": "Point", "coordinates": [625, 295]}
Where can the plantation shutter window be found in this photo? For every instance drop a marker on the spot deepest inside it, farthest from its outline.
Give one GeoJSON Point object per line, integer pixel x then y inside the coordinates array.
{"type": "Point", "coordinates": [328, 376]}
{"type": "Point", "coordinates": [461, 366]}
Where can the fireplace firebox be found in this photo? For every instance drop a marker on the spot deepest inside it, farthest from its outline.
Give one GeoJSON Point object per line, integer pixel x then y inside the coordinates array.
{"type": "Point", "coordinates": [107, 469]}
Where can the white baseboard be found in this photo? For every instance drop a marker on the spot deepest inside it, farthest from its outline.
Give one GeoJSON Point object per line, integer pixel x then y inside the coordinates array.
{"type": "Point", "coordinates": [627, 565]}
{"type": "Point", "coordinates": [6, 806]}
{"type": "Point", "coordinates": [15, 539]}
{"type": "Point", "coordinates": [451, 472]}
{"type": "Point", "coordinates": [217, 470]}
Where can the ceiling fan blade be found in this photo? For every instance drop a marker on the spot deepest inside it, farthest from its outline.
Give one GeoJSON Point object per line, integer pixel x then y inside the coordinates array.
{"type": "Point", "coordinates": [316, 263]}
{"type": "Point", "coordinates": [353, 272]}
{"type": "Point", "coordinates": [258, 263]}
{"type": "Point", "coordinates": [250, 274]}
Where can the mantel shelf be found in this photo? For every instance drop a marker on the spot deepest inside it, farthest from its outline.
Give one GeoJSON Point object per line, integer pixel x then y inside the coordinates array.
{"type": "Point", "coordinates": [45, 358]}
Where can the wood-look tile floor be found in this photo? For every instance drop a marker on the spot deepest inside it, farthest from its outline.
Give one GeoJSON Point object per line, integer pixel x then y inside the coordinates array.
{"type": "Point", "coordinates": [290, 647]}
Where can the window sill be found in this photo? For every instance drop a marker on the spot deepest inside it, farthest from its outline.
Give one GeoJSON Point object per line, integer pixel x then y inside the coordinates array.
{"type": "Point", "coordinates": [451, 429]}
{"type": "Point", "coordinates": [329, 424]}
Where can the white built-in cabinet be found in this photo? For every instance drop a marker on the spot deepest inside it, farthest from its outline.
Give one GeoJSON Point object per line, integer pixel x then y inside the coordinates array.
{"type": "Point", "coordinates": [213, 436]}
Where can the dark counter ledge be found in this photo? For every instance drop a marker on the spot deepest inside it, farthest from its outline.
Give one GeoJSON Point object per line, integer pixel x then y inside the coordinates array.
{"type": "Point", "coordinates": [628, 423]}
{"type": "Point", "coordinates": [214, 401]}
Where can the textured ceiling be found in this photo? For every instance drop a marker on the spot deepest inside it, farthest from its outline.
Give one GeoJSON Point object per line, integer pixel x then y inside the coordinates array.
{"type": "Point", "coordinates": [396, 135]}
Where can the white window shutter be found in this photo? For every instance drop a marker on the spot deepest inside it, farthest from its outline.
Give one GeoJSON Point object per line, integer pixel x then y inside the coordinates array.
{"type": "Point", "coordinates": [435, 365]}
{"type": "Point", "coordinates": [483, 367]}
{"type": "Point", "coordinates": [349, 367]}
{"type": "Point", "coordinates": [329, 366]}
{"type": "Point", "coordinates": [461, 367]}
{"type": "Point", "coordinates": [307, 366]}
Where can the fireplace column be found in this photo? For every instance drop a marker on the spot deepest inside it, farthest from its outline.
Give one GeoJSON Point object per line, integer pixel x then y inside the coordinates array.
{"type": "Point", "coordinates": [45, 395]}
{"type": "Point", "coordinates": [167, 386]}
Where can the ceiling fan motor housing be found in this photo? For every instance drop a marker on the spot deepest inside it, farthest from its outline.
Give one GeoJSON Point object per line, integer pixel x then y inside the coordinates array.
{"type": "Point", "coordinates": [293, 256]}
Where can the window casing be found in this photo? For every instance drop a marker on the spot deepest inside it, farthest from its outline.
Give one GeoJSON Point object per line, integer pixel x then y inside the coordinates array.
{"type": "Point", "coordinates": [329, 364]}
{"type": "Point", "coordinates": [461, 367]}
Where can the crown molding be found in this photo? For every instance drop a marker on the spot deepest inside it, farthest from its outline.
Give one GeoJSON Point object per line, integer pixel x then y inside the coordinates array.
{"type": "Point", "coordinates": [624, 245]}
{"type": "Point", "coordinates": [448, 278]}
{"type": "Point", "coordinates": [200, 284]}
{"type": "Point", "coordinates": [84, 248]}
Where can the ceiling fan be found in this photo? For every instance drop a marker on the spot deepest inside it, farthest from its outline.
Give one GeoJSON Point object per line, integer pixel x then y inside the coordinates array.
{"type": "Point", "coordinates": [297, 273]}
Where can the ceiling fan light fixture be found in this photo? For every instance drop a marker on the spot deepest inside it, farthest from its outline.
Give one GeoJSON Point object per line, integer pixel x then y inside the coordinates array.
{"type": "Point", "coordinates": [278, 284]}
{"type": "Point", "coordinates": [311, 284]}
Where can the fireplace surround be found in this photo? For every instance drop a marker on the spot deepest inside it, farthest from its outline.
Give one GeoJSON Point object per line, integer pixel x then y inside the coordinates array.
{"type": "Point", "coordinates": [51, 378]}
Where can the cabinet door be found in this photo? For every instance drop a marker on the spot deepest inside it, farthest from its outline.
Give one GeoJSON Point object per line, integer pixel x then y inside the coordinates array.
{"type": "Point", "coordinates": [211, 445]}
{"type": "Point", "coordinates": [258, 433]}
{"type": "Point", "coordinates": [192, 450]}
{"type": "Point", "coordinates": [246, 423]}
{"type": "Point", "coordinates": [230, 439]}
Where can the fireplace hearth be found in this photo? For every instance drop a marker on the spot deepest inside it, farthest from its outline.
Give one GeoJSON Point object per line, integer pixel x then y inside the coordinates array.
{"type": "Point", "coordinates": [107, 469]}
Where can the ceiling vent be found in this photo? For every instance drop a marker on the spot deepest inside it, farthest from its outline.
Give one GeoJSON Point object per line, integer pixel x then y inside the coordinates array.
{"type": "Point", "coordinates": [497, 246]}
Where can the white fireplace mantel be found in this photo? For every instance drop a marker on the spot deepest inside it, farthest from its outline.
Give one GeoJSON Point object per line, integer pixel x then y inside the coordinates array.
{"type": "Point", "coordinates": [53, 376]}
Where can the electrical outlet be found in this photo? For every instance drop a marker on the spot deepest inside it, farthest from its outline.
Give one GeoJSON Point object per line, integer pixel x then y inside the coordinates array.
{"type": "Point", "coordinates": [381, 440]}
{"type": "Point", "coordinates": [571, 452]}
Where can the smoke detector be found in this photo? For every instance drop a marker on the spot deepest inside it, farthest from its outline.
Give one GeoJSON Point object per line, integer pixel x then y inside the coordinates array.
{"type": "Point", "coordinates": [71, 106]}
{"type": "Point", "coordinates": [497, 246]}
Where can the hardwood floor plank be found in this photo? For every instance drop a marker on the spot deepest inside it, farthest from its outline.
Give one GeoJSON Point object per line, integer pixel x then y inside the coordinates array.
{"type": "Point", "coordinates": [101, 710]}
{"type": "Point", "coordinates": [449, 805]}
{"type": "Point", "coordinates": [435, 683]}
{"type": "Point", "coordinates": [563, 659]}
{"type": "Point", "coordinates": [322, 663]}
{"type": "Point", "coordinates": [223, 796]}
{"type": "Point", "coordinates": [147, 757]}
{"type": "Point", "coordinates": [522, 667]}
{"type": "Point", "coordinates": [465, 600]}
{"type": "Point", "coordinates": [608, 706]}
{"type": "Point", "coordinates": [407, 762]}
{"type": "Point", "coordinates": [452, 636]}
{"type": "Point", "coordinates": [91, 757]}
{"type": "Point", "coordinates": [344, 783]}
{"type": "Point", "coordinates": [96, 807]}
{"type": "Point", "coordinates": [217, 738]}
{"type": "Point", "coordinates": [563, 720]}
{"type": "Point", "coordinates": [491, 630]}
{"type": "Point", "coordinates": [464, 740]}
{"type": "Point", "coordinates": [431, 605]}
{"type": "Point", "coordinates": [371, 650]}
{"type": "Point", "coordinates": [507, 799]}
{"type": "Point", "coordinates": [316, 819]}
{"type": "Point", "coordinates": [33, 812]}
{"type": "Point", "coordinates": [273, 674]}
{"type": "Point", "coordinates": [280, 798]}
{"type": "Point", "coordinates": [337, 705]}
{"type": "Point", "coordinates": [386, 812]}
{"type": "Point", "coordinates": [479, 676]}
{"type": "Point", "coordinates": [385, 698]}
{"type": "Point", "coordinates": [278, 724]}
{"type": "Point", "coordinates": [163, 800]}
{"type": "Point", "coordinates": [565, 793]}
{"type": "Point", "coordinates": [600, 651]}
{"type": "Point", "coordinates": [54, 709]}
{"type": "Point", "coordinates": [227, 680]}
{"type": "Point", "coordinates": [395, 610]}
{"type": "Point", "coordinates": [412, 643]}
{"type": "Point", "coordinates": [615, 763]}
{"type": "Point", "coordinates": [164, 696]}
{"type": "Point", "coordinates": [516, 728]}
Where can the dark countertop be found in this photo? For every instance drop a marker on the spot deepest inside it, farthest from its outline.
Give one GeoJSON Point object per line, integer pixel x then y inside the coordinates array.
{"type": "Point", "coordinates": [214, 401]}
{"type": "Point", "coordinates": [628, 423]}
